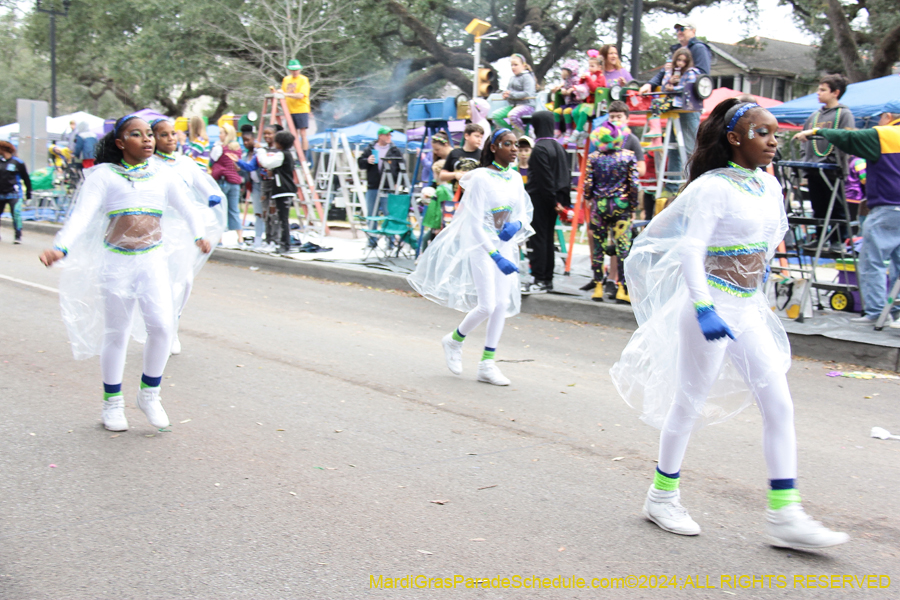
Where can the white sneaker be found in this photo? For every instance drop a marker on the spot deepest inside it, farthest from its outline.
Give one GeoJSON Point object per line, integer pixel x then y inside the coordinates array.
{"type": "Point", "coordinates": [452, 353]}
{"type": "Point", "coordinates": [176, 345]}
{"type": "Point", "coordinates": [489, 373]}
{"type": "Point", "coordinates": [665, 509]}
{"type": "Point", "coordinates": [114, 414]}
{"type": "Point", "coordinates": [791, 527]}
{"type": "Point", "coordinates": [871, 319]}
{"type": "Point", "coordinates": [148, 401]}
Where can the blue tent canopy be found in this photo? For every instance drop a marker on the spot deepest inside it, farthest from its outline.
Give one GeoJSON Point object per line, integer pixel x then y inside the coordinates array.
{"type": "Point", "coordinates": [361, 133]}
{"type": "Point", "coordinates": [867, 100]}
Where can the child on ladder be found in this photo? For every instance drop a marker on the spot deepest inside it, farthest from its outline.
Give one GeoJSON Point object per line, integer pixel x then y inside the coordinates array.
{"type": "Point", "coordinates": [573, 92]}
{"type": "Point", "coordinates": [611, 192]}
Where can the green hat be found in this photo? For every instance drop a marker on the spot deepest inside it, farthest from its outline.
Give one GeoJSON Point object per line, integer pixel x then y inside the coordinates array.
{"type": "Point", "coordinates": [384, 130]}
{"type": "Point", "coordinates": [294, 65]}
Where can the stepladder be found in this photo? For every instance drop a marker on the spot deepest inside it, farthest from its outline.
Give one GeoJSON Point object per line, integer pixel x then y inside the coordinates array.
{"type": "Point", "coordinates": [309, 209]}
{"type": "Point", "coordinates": [578, 218]}
{"type": "Point", "coordinates": [337, 173]}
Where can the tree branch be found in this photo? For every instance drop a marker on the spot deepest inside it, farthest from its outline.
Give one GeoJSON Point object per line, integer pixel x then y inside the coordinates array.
{"type": "Point", "coordinates": [887, 53]}
{"type": "Point", "coordinates": [846, 44]}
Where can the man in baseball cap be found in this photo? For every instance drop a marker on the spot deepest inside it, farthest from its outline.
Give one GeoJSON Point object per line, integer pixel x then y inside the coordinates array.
{"type": "Point", "coordinates": [296, 90]}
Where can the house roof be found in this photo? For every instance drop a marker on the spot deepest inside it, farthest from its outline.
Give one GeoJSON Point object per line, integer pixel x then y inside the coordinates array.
{"type": "Point", "coordinates": [766, 55]}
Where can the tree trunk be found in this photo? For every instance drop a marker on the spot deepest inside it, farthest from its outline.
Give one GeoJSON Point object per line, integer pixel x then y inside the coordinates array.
{"type": "Point", "coordinates": [620, 26]}
{"type": "Point", "coordinates": [846, 43]}
{"type": "Point", "coordinates": [886, 54]}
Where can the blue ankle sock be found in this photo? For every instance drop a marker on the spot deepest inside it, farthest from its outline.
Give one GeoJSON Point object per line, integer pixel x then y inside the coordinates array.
{"type": "Point", "coordinates": [147, 381]}
{"type": "Point", "coordinates": [111, 390]}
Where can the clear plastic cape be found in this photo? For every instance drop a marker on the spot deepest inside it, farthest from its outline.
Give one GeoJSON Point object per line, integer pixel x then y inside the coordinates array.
{"type": "Point", "coordinates": [444, 273]}
{"type": "Point", "coordinates": [91, 270]}
{"type": "Point", "coordinates": [645, 374]}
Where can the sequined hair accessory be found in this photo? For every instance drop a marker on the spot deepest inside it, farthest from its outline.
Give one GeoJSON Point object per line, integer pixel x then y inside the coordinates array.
{"type": "Point", "coordinates": [122, 122]}
{"type": "Point", "coordinates": [498, 133]}
{"type": "Point", "coordinates": [737, 111]}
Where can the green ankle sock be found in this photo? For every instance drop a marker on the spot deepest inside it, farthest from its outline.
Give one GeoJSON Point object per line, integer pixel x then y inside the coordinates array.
{"type": "Point", "coordinates": [665, 484]}
{"type": "Point", "coordinates": [457, 337]}
{"type": "Point", "coordinates": [110, 396]}
{"type": "Point", "coordinates": [488, 355]}
{"type": "Point", "coordinates": [778, 499]}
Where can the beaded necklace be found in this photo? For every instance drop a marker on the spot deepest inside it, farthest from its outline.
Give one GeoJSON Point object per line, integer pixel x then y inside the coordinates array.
{"type": "Point", "coordinates": [138, 172]}
{"type": "Point", "coordinates": [837, 119]}
{"type": "Point", "coordinates": [167, 157]}
{"type": "Point", "coordinates": [751, 183]}
{"type": "Point", "coordinates": [501, 169]}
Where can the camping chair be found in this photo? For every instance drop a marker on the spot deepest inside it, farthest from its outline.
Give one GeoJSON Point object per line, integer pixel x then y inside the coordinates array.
{"type": "Point", "coordinates": [395, 227]}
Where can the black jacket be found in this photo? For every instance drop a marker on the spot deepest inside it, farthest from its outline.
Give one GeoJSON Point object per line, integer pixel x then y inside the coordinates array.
{"type": "Point", "coordinates": [549, 173]}
{"type": "Point", "coordinates": [284, 177]}
{"type": "Point", "coordinates": [9, 171]}
{"type": "Point", "coordinates": [373, 172]}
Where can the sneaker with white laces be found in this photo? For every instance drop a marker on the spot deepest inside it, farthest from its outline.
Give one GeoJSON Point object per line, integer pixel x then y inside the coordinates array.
{"type": "Point", "coordinates": [664, 508]}
{"type": "Point", "coordinates": [176, 345]}
{"type": "Point", "coordinates": [114, 414]}
{"type": "Point", "coordinates": [148, 400]}
{"type": "Point", "coordinates": [791, 527]}
{"type": "Point", "coordinates": [452, 353]}
{"type": "Point", "coordinates": [488, 372]}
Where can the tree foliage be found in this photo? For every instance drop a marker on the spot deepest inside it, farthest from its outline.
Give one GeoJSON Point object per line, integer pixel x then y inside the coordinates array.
{"type": "Point", "coordinates": [860, 38]}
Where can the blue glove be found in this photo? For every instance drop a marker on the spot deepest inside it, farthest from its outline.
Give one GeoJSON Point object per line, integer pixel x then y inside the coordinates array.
{"type": "Point", "coordinates": [767, 273]}
{"type": "Point", "coordinates": [509, 230]}
{"type": "Point", "coordinates": [504, 264]}
{"type": "Point", "coordinates": [214, 201]}
{"type": "Point", "coordinates": [712, 325]}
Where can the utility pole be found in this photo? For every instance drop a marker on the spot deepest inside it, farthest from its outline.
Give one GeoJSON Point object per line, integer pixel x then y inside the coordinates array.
{"type": "Point", "coordinates": [637, 12]}
{"type": "Point", "coordinates": [53, 14]}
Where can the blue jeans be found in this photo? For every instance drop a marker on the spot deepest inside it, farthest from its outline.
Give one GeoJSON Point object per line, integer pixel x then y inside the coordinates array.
{"type": "Point", "coordinates": [690, 123]}
{"type": "Point", "coordinates": [371, 210]}
{"type": "Point", "coordinates": [259, 218]}
{"type": "Point", "coordinates": [232, 193]}
{"type": "Point", "coordinates": [881, 241]}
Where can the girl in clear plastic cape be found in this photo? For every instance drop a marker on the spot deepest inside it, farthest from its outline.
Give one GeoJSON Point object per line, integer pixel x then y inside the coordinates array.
{"type": "Point", "coordinates": [695, 276]}
{"type": "Point", "coordinates": [132, 217]}
{"type": "Point", "coordinates": [184, 261]}
{"type": "Point", "coordinates": [471, 265]}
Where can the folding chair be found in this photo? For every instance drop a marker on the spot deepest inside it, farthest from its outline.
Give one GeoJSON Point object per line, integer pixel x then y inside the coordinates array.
{"type": "Point", "coordinates": [395, 227]}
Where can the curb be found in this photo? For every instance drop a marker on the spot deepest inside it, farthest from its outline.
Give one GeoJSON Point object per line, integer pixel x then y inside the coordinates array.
{"type": "Point", "coordinates": [816, 347]}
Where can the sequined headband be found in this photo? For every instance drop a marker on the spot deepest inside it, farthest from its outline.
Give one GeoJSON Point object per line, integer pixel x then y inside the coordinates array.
{"type": "Point", "coordinates": [498, 133]}
{"type": "Point", "coordinates": [156, 122]}
{"type": "Point", "coordinates": [122, 123]}
{"type": "Point", "coordinates": [739, 111]}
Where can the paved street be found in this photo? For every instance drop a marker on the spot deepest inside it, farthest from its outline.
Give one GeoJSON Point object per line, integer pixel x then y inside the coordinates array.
{"type": "Point", "coordinates": [318, 440]}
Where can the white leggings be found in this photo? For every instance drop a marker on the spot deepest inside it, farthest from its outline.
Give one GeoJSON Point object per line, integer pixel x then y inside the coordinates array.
{"type": "Point", "coordinates": [494, 291]}
{"type": "Point", "coordinates": [127, 280]}
{"type": "Point", "coordinates": [699, 362]}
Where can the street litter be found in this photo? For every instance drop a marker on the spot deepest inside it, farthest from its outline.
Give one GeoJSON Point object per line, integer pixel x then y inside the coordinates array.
{"type": "Point", "coordinates": [883, 434]}
{"type": "Point", "coordinates": [440, 502]}
{"type": "Point", "coordinates": [861, 375]}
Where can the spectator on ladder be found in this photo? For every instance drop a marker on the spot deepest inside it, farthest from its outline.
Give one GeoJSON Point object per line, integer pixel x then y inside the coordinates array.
{"type": "Point", "coordinates": [224, 158]}
{"type": "Point", "coordinates": [13, 176]}
{"type": "Point", "coordinates": [296, 91]}
{"type": "Point", "coordinates": [280, 165]}
{"type": "Point", "coordinates": [686, 32]}
{"type": "Point", "coordinates": [462, 160]}
{"type": "Point", "coordinates": [611, 191]}
{"type": "Point", "coordinates": [880, 147]}
{"type": "Point", "coordinates": [613, 70]}
{"type": "Point", "coordinates": [832, 115]}
{"type": "Point", "coordinates": [519, 94]}
{"type": "Point", "coordinates": [198, 142]}
{"type": "Point", "coordinates": [373, 161]}
{"type": "Point", "coordinates": [571, 92]}
{"type": "Point", "coordinates": [549, 180]}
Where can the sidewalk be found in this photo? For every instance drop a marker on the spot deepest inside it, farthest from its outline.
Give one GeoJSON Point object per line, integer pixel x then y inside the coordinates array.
{"type": "Point", "coordinates": [827, 336]}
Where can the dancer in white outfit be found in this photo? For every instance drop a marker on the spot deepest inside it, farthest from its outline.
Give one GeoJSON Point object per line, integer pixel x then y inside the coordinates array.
{"type": "Point", "coordinates": [117, 246]}
{"type": "Point", "coordinates": [694, 276]}
{"type": "Point", "coordinates": [471, 265]}
{"type": "Point", "coordinates": [202, 189]}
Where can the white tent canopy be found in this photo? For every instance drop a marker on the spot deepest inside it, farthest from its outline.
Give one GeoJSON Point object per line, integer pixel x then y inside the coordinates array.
{"type": "Point", "coordinates": [59, 125]}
